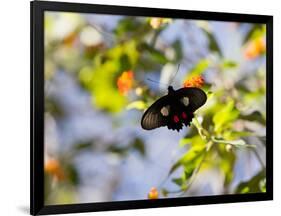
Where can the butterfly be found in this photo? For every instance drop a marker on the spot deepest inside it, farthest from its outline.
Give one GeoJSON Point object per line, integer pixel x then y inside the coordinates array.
{"type": "Point", "coordinates": [174, 109]}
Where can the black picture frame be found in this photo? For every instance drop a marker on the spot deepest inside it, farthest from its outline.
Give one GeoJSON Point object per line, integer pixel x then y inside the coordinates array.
{"type": "Point", "coordinates": [37, 107]}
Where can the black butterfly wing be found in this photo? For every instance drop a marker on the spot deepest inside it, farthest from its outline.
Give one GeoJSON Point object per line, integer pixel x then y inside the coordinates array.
{"type": "Point", "coordinates": [197, 97]}
{"type": "Point", "coordinates": [152, 117]}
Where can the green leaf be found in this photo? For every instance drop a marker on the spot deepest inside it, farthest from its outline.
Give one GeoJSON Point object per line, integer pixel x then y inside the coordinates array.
{"type": "Point", "coordinates": [183, 180]}
{"type": "Point", "coordinates": [139, 146]}
{"type": "Point", "coordinates": [185, 141]}
{"type": "Point", "coordinates": [199, 68]}
{"type": "Point", "coordinates": [178, 50]}
{"type": "Point", "coordinates": [237, 143]}
{"type": "Point", "coordinates": [139, 105]}
{"type": "Point", "coordinates": [126, 25]}
{"type": "Point", "coordinates": [136, 144]}
{"type": "Point", "coordinates": [100, 79]}
{"type": "Point", "coordinates": [175, 167]}
{"type": "Point", "coordinates": [73, 175]}
{"type": "Point", "coordinates": [119, 150]}
{"type": "Point", "coordinates": [226, 165]}
{"type": "Point", "coordinates": [178, 181]}
{"type": "Point", "coordinates": [83, 146]}
{"type": "Point", "coordinates": [229, 64]}
{"type": "Point", "coordinates": [52, 106]}
{"type": "Point", "coordinates": [210, 94]}
{"type": "Point", "coordinates": [254, 116]}
{"type": "Point", "coordinates": [227, 114]}
{"type": "Point", "coordinates": [190, 159]}
{"type": "Point", "coordinates": [188, 171]}
{"type": "Point", "coordinates": [164, 192]}
{"type": "Point", "coordinates": [262, 185]}
{"type": "Point", "coordinates": [213, 44]}
{"type": "Point", "coordinates": [193, 154]}
{"type": "Point", "coordinates": [256, 31]}
{"type": "Point", "coordinates": [233, 135]}
{"type": "Point", "coordinates": [254, 185]}
{"type": "Point", "coordinates": [155, 55]}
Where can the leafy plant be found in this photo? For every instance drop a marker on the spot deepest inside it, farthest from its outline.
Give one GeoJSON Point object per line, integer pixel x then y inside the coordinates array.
{"type": "Point", "coordinates": [113, 71]}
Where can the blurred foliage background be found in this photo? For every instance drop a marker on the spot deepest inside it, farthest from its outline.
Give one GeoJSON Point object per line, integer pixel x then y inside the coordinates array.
{"type": "Point", "coordinates": [97, 71]}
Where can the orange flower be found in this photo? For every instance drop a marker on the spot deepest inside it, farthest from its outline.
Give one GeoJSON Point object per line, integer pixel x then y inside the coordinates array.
{"type": "Point", "coordinates": [195, 81]}
{"type": "Point", "coordinates": [255, 48]}
{"type": "Point", "coordinates": [70, 39]}
{"type": "Point", "coordinates": [53, 167]}
{"type": "Point", "coordinates": [153, 193]}
{"type": "Point", "coordinates": [125, 82]}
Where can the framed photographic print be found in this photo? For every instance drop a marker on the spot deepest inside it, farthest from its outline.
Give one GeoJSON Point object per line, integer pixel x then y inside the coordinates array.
{"type": "Point", "coordinates": [141, 107]}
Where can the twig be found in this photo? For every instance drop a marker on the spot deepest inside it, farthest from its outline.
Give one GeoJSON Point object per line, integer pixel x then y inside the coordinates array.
{"type": "Point", "coordinates": [236, 143]}
{"type": "Point", "coordinates": [259, 158]}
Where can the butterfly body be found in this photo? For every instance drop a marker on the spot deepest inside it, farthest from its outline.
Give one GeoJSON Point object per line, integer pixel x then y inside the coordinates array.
{"type": "Point", "coordinates": [174, 109]}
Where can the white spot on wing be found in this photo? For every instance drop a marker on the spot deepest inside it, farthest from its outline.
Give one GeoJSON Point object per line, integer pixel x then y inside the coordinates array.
{"type": "Point", "coordinates": [185, 101]}
{"type": "Point", "coordinates": [165, 110]}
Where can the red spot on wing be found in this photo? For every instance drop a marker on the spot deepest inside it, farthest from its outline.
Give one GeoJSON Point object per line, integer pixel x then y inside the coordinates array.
{"type": "Point", "coordinates": [184, 116]}
{"type": "Point", "coordinates": [176, 119]}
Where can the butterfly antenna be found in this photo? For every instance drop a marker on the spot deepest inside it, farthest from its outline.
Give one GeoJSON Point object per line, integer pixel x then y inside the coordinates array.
{"type": "Point", "coordinates": [157, 82]}
{"type": "Point", "coordinates": [172, 80]}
